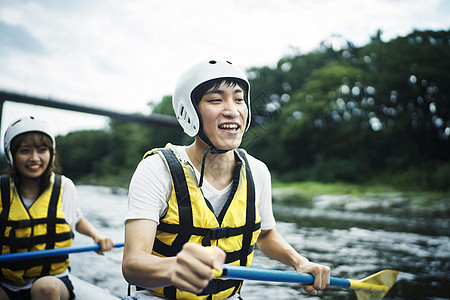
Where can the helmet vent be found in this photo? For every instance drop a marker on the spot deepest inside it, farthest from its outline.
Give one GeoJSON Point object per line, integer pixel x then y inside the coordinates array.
{"type": "Point", "coordinates": [213, 62]}
{"type": "Point", "coordinates": [184, 115]}
{"type": "Point", "coordinates": [229, 62]}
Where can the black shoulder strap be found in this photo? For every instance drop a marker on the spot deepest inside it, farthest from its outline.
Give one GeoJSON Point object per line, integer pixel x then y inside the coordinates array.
{"type": "Point", "coordinates": [236, 178]}
{"type": "Point", "coordinates": [51, 224]}
{"type": "Point", "coordinates": [183, 199]}
{"type": "Point", "coordinates": [250, 211]}
{"type": "Point", "coordinates": [6, 202]}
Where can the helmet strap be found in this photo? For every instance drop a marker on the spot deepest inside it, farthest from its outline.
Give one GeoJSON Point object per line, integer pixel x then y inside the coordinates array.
{"type": "Point", "coordinates": [202, 172]}
{"type": "Point", "coordinates": [211, 149]}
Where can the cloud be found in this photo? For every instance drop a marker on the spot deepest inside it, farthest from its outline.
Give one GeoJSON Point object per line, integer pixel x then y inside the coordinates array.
{"type": "Point", "coordinates": [16, 37]}
{"type": "Point", "coordinates": [122, 54]}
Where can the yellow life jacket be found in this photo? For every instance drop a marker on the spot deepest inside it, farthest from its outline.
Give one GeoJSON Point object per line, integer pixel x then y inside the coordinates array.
{"type": "Point", "coordinates": [190, 218]}
{"type": "Point", "coordinates": [41, 226]}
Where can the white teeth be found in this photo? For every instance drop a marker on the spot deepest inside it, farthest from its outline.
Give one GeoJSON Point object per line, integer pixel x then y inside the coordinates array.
{"type": "Point", "coordinates": [228, 126]}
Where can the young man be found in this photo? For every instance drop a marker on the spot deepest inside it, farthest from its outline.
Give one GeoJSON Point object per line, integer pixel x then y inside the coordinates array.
{"type": "Point", "coordinates": [183, 199]}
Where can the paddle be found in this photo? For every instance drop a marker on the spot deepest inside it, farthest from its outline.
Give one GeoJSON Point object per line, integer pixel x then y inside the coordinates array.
{"type": "Point", "coordinates": [52, 252]}
{"type": "Point", "coordinates": [372, 287]}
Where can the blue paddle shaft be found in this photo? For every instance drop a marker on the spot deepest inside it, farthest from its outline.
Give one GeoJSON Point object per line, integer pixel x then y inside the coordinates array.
{"type": "Point", "coordinates": [52, 252]}
{"type": "Point", "coordinates": [249, 273]}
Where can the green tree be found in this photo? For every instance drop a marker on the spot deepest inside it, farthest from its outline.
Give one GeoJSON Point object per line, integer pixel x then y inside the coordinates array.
{"type": "Point", "coordinates": [357, 111]}
{"type": "Point", "coordinates": [79, 152]}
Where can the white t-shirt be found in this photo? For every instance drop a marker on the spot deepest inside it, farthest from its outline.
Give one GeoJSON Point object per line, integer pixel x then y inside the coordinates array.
{"type": "Point", "coordinates": [72, 214]}
{"type": "Point", "coordinates": [151, 186]}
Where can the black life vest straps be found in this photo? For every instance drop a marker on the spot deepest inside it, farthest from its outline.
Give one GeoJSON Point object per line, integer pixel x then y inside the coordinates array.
{"type": "Point", "coordinates": [6, 203]}
{"type": "Point", "coordinates": [183, 199]}
{"type": "Point", "coordinates": [213, 287]}
{"type": "Point", "coordinates": [236, 176]}
{"type": "Point", "coordinates": [251, 211]}
{"type": "Point", "coordinates": [184, 212]}
{"type": "Point", "coordinates": [185, 228]}
{"type": "Point", "coordinates": [51, 224]}
{"type": "Point", "coordinates": [27, 242]}
{"type": "Point", "coordinates": [220, 285]}
{"type": "Point", "coordinates": [208, 233]}
{"type": "Point", "coordinates": [6, 199]}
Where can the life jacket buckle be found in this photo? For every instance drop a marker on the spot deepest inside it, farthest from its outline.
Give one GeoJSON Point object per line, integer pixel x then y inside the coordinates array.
{"type": "Point", "coordinates": [215, 234]}
{"type": "Point", "coordinates": [219, 233]}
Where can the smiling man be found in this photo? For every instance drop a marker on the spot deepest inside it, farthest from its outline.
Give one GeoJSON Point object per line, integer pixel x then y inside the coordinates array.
{"type": "Point", "coordinates": [193, 208]}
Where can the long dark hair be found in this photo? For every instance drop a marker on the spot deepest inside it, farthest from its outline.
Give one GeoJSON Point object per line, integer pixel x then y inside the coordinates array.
{"type": "Point", "coordinates": [38, 139]}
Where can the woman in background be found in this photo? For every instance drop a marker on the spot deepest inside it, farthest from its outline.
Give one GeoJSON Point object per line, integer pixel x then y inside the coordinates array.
{"type": "Point", "coordinates": [38, 211]}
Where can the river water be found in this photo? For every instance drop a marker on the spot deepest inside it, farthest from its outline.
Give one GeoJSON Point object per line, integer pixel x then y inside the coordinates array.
{"type": "Point", "coordinates": [356, 237]}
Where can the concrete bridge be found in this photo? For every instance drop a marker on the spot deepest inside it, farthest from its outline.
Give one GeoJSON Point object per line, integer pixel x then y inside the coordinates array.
{"type": "Point", "coordinates": [153, 119]}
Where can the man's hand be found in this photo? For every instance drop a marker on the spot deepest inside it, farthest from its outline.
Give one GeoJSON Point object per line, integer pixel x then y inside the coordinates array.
{"type": "Point", "coordinates": [193, 267]}
{"type": "Point", "coordinates": [321, 275]}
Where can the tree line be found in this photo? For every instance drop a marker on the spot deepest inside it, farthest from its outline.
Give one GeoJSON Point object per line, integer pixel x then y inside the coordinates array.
{"type": "Point", "coordinates": [379, 113]}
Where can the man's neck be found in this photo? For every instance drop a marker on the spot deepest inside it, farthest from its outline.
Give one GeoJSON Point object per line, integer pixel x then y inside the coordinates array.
{"type": "Point", "coordinates": [218, 167]}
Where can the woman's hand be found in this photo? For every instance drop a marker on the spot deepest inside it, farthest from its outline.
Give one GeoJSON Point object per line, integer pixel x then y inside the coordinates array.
{"type": "Point", "coordinates": [106, 243]}
{"type": "Point", "coordinates": [85, 227]}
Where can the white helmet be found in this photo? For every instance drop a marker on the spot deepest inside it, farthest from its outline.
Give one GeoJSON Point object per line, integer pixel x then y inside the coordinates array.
{"type": "Point", "coordinates": [205, 71]}
{"type": "Point", "coordinates": [22, 125]}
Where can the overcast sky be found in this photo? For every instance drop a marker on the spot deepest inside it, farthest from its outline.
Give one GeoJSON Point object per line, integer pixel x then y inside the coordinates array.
{"type": "Point", "coordinates": [121, 55]}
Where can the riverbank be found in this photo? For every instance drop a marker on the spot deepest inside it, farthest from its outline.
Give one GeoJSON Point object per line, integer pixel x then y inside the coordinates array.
{"type": "Point", "coordinates": [304, 193]}
{"type": "Point", "coordinates": [346, 195]}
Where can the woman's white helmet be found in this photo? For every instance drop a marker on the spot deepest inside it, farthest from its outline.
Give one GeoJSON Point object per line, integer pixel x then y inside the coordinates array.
{"type": "Point", "coordinates": [22, 125]}
{"type": "Point", "coordinates": [200, 73]}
